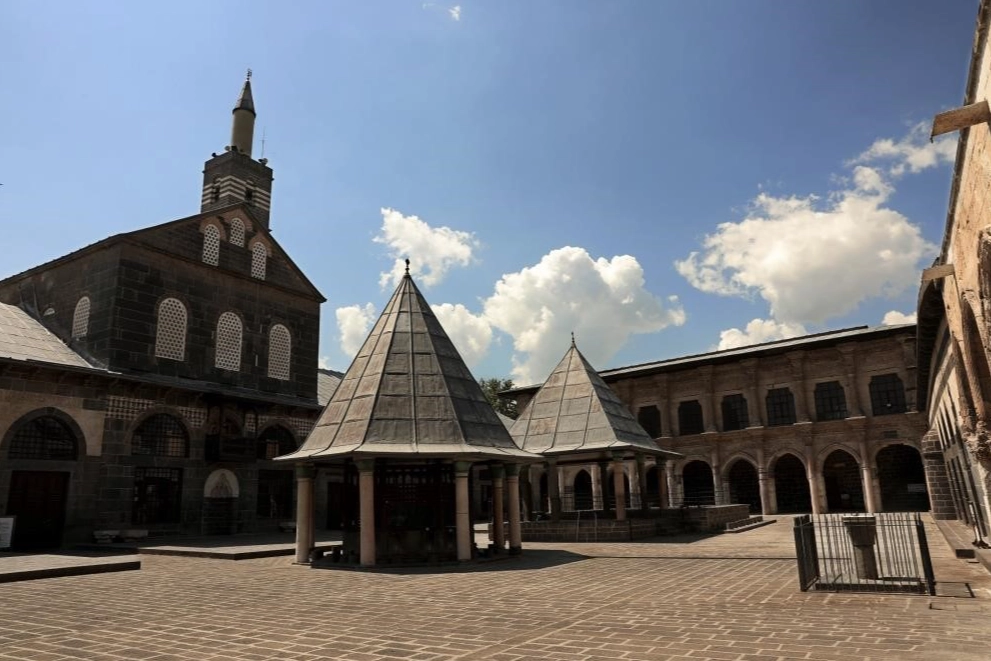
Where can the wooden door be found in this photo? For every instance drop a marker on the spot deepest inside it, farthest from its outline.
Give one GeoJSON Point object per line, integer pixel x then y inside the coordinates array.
{"type": "Point", "coordinates": [38, 499]}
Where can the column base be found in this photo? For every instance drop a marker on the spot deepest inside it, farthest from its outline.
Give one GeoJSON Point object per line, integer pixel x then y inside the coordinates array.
{"type": "Point", "coordinates": [515, 550]}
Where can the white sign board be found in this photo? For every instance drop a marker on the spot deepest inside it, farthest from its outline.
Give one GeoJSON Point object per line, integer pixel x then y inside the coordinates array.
{"type": "Point", "coordinates": [6, 531]}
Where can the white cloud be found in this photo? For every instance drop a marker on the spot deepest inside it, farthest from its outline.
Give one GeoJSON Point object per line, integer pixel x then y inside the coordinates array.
{"type": "Point", "coordinates": [353, 324]}
{"type": "Point", "coordinates": [912, 153]}
{"type": "Point", "coordinates": [470, 332]}
{"type": "Point", "coordinates": [432, 251]}
{"type": "Point", "coordinates": [603, 301]}
{"type": "Point", "coordinates": [758, 331]}
{"type": "Point", "coordinates": [894, 318]}
{"type": "Point", "coordinates": [324, 363]}
{"type": "Point", "coordinates": [813, 260]}
{"type": "Point", "coordinates": [455, 12]}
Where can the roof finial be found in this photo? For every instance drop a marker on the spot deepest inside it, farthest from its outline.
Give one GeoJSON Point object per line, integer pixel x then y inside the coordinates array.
{"type": "Point", "coordinates": [248, 76]}
{"type": "Point", "coordinates": [572, 338]}
{"type": "Point", "coordinates": [407, 266]}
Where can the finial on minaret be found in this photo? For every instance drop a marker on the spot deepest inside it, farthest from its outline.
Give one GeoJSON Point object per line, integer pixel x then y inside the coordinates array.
{"type": "Point", "coordinates": [407, 266]}
{"type": "Point", "coordinates": [572, 338]}
{"type": "Point", "coordinates": [248, 76]}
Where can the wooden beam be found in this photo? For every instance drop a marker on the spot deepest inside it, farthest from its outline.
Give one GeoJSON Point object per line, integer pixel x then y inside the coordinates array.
{"type": "Point", "coordinates": [960, 118]}
{"type": "Point", "coordinates": [937, 272]}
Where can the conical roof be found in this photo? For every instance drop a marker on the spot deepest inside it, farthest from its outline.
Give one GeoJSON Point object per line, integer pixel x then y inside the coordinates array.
{"type": "Point", "coordinates": [575, 411]}
{"type": "Point", "coordinates": [408, 392]}
{"type": "Point", "coordinates": [245, 101]}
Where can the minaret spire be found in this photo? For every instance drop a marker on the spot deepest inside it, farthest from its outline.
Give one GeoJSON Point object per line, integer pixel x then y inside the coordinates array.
{"type": "Point", "coordinates": [243, 123]}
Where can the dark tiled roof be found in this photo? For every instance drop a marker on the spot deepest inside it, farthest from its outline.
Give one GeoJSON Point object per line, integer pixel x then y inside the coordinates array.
{"type": "Point", "coordinates": [327, 382]}
{"type": "Point", "coordinates": [575, 411]}
{"type": "Point", "coordinates": [408, 393]}
{"type": "Point", "coordinates": [23, 338]}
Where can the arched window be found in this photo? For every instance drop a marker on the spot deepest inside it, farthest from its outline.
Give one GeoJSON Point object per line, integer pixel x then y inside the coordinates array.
{"type": "Point", "coordinates": [160, 435]}
{"type": "Point", "coordinates": [780, 407]}
{"type": "Point", "coordinates": [80, 318]}
{"type": "Point", "coordinates": [275, 441]}
{"type": "Point", "coordinates": [279, 352]}
{"type": "Point", "coordinates": [228, 342]}
{"type": "Point", "coordinates": [259, 257]}
{"type": "Point", "coordinates": [830, 401]}
{"type": "Point", "coordinates": [237, 232]}
{"type": "Point", "coordinates": [44, 437]}
{"type": "Point", "coordinates": [211, 245]}
{"type": "Point", "coordinates": [887, 394]}
{"type": "Point", "coordinates": [170, 338]}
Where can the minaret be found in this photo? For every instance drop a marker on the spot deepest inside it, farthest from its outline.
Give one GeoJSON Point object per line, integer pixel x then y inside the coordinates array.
{"type": "Point", "coordinates": [233, 176]}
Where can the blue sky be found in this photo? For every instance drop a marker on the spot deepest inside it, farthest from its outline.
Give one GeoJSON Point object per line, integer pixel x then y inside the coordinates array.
{"type": "Point", "coordinates": [548, 166]}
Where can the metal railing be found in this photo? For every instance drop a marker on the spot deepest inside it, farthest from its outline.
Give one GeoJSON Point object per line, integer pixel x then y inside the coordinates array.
{"type": "Point", "coordinates": [884, 552]}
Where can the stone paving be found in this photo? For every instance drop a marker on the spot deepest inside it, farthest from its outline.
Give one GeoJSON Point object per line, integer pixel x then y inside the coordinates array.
{"type": "Point", "coordinates": [731, 597]}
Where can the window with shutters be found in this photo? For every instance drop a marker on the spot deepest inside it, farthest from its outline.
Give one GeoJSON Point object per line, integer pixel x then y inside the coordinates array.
{"type": "Point", "coordinates": [80, 318]}
{"type": "Point", "coordinates": [780, 407]}
{"type": "Point", "coordinates": [735, 414]}
{"type": "Point", "coordinates": [279, 352]}
{"type": "Point", "coordinates": [229, 335]}
{"type": "Point", "coordinates": [170, 337]}
{"type": "Point", "coordinates": [830, 401]}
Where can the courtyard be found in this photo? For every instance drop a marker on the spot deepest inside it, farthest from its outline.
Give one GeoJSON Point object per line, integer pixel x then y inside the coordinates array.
{"type": "Point", "coordinates": [731, 596]}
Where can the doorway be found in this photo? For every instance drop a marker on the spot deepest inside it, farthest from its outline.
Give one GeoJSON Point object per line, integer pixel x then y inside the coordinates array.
{"type": "Point", "coordinates": [38, 499]}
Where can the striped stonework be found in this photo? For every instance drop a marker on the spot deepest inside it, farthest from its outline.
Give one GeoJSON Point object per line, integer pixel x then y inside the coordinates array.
{"type": "Point", "coordinates": [232, 188]}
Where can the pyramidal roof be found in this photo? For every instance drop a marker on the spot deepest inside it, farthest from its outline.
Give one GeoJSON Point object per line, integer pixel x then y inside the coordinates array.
{"type": "Point", "coordinates": [575, 411]}
{"type": "Point", "coordinates": [408, 392]}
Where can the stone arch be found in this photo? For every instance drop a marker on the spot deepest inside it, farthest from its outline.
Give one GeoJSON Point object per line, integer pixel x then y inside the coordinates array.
{"type": "Point", "coordinates": [220, 495]}
{"type": "Point", "coordinates": [221, 483]}
{"type": "Point", "coordinates": [901, 479]}
{"type": "Point", "coordinates": [276, 438]}
{"type": "Point", "coordinates": [732, 459]}
{"type": "Point", "coordinates": [36, 418]}
{"type": "Point", "coordinates": [145, 420]}
{"type": "Point", "coordinates": [582, 490]}
{"type": "Point", "coordinates": [652, 485]}
{"type": "Point", "coordinates": [744, 483]}
{"type": "Point", "coordinates": [841, 477]}
{"type": "Point", "coordinates": [791, 483]}
{"type": "Point", "coordinates": [825, 453]}
{"type": "Point", "coordinates": [697, 484]}
{"type": "Point", "coordinates": [975, 355]}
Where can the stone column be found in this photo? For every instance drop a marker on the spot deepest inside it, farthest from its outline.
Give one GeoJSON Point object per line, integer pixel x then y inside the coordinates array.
{"type": "Point", "coordinates": [674, 496]}
{"type": "Point", "coordinates": [664, 498]}
{"type": "Point", "coordinates": [642, 482]}
{"type": "Point", "coordinates": [513, 485]}
{"type": "Point", "coordinates": [554, 489]}
{"type": "Point", "coordinates": [751, 392]}
{"type": "Point", "coordinates": [526, 493]}
{"type": "Point", "coordinates": [366, 500]}
{"type": "Point", "coordinates": [597, 495]}
{"type": "Point", "coordinates": [708, 406]}
{"type": "Point", "coordinates": [498, 514]}
{"type": "Point", "coordinates": [813, 476]}
{"type": "Point", "coordinates": [867, 475]}
{"type": "Point", "coordinates": [717, 480]}
{"type": "Point", "coordinates": [461, 505]}
{"type": "Point", "coordinates": [766, 507]}
{"type": "Point", "coordinates": [851, 380]}
{"type": "Point", "coordinates": [619, 486]}
{"type": "Point", "coordinates": [304, 512]}
{"type": "Point", "coordinates": [603, 473]}
{"type": "Point", "coordinates": [797, 360]}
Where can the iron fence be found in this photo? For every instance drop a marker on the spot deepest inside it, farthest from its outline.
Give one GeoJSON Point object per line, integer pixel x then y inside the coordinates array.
{"type": "Point", "coordinates": [884, 552]}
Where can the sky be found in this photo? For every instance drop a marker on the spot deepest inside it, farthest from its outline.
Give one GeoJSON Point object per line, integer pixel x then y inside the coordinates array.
{"type": "Point", "coordinates": [658, 177]}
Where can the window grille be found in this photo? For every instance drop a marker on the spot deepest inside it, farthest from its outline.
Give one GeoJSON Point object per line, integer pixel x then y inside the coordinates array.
{"type": "Point", "coordinates": [80, 318]}
{"type": "Point", "coordinates": [735, 414]}
{"type": "Point", "coordinates": [170, 341]}
{"type": "Point", "coordinates": [649, 418]}
{"type": "Point", "coordinates": [237, 232]}
{"type": "Point", "coordinates": [690, 418]}
{"type": "Point", "coordinates": [44, 437]}
{"type": "Point", "coordinates": [887, 394]}
{"type": "Point", "coordinates": [830, 401]}
{"type": "Point", "coordinates": [211, 245]}
{"type": "Point", "coordinates": [259, 256]}
{"type": "Point", "coordinates": [228, 342]}
{"type": "Point", "coordinates": [160, 435]}
{"type": "Point", "coordinates": [275, 441]}
{"type": "Point", "coordinates": [157, 495]}
{"type": "Point", "coordinates": [780, 407]}
{"type": "Point", "coordinates": [279, 352]}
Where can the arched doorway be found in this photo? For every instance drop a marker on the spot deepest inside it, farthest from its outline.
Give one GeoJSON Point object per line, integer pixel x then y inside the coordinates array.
{"type": "Point", "coordinates": [697, 482]}
{"type": "Point", "coordinates": [583, 491]}
{"type": "Point", "coordinates": [220, 494]}
{"type": "Point", "coordinates": [744, 485]}
{"type": "Point", "coordinates": [652, 487]}
{"type": "Point", "coordinates": [902, 479]}
{"type": "Point", "coordinates": [38, 497]}
{"type": "Point", "coordinates": [276, 482]}
{"type": "Point", "coordinates": [791, 485]}
{"type": "Point", "coordinates": [844, 490]}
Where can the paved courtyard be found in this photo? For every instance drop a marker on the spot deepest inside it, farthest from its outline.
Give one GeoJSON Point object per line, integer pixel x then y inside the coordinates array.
{"type": "Point", "coordinates": [725, 597]}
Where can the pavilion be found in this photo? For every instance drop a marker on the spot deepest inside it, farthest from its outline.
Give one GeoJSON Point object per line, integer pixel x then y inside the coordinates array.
{"type": "Point", "coordinates": [407, 422]}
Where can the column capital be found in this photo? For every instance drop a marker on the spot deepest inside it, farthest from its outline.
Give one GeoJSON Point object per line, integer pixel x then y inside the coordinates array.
{"type": "Point", "coordinates": [305, 471]}
{"type": "Point", "coordinates": [365, 465]}
{"type": "Point", "coordinates": [497, 470]}
{"type": "Point", "coordinates": [513, 470]}
{"type": "Point", "coordinates": [616, 457]}
{"type": "Point", "coordinates": [462, 467]}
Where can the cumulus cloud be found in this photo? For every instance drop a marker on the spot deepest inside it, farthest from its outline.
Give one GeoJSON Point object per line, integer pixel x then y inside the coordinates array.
{"type": "Point", "coordinates": [432, 251]}
{"type": "Point", "coordinates": [471, 333]}
{"type": "Point", "coordinates": [455, 12]}
{"type": "Point", "coordinates": [912, 153]}
{"type": "Point", "coordinates": [813, 259]}
{"type": "Point", "coordinates": [353, 324]}
{"type": "Point", "coordinates": [324, 363]}
{"type": "Point", "coordinates": [758, 331]}
{"type": "Point", "coordinates": [894, 318]}
{"type": "Point", "coordinates": [603, 301]}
